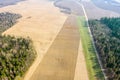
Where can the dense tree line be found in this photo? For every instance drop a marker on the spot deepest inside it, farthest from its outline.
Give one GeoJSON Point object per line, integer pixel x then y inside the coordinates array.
{"type": "Point", "coordinates": [16, 54]}
{"type": "Point", "coordinates": [7, 20]}
{"type": "Point", "coordinates": [106, 34]}
{"type": "Point", "coordinates": [113, 24]}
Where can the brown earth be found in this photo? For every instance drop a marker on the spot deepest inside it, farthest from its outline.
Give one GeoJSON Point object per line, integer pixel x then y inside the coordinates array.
{"type": "Point", "coordinates": [60, 60]}
{"type": "Point", "coordinates": [43, 23]}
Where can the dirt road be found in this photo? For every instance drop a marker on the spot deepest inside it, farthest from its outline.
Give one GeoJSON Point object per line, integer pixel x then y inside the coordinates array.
{"type": "Point", "coordinates": [81, 69]}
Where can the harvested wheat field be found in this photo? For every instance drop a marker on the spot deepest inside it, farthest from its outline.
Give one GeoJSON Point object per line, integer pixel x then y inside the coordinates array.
{"type": "Point", "coordinates": [41, 21]}
{"type": "Point", "coordinates": [60, 60]}
{"type": "Point", "coordinates": [56, 40]}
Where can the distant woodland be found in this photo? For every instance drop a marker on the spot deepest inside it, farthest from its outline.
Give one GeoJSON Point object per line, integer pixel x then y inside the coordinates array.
{"type": "Point", "coordinates": [106, 33]}
{"type": "Point", "coordinates": [16, 54]}
{"type": "Point", "coordinates": [7, 20]}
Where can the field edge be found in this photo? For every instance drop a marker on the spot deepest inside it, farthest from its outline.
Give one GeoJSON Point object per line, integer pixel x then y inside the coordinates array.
{"type": "Point", "coordinates": [93, 67]}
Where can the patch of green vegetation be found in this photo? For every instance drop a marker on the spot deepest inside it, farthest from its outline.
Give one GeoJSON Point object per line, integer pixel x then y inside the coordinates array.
{"type": "Point", "coordinates": [106, 33]}
{"type": "Point", "coordinates": [93, 67]}
{"type": "Point", "coordinates": [16, 54]}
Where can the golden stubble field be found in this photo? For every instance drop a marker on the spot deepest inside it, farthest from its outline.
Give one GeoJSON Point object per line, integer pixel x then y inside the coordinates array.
{"type": "Point", "coordinates": [55, 37]}
{"type": "Point", "coordinates": [59, 62]}
{"type": "Point", "coordinates": [41, 21]}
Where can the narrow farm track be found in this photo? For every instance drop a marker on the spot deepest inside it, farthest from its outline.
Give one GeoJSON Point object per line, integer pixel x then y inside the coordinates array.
{"type": "Point", "coordinates": [60, 60]}
{"type": "Point", "coordinates": [86, 17]}
{"type": "Point", "coordinates": [81, 69]}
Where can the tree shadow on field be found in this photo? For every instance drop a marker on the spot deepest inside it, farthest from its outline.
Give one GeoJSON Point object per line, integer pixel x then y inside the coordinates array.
{"type": "Point", "coordinates": [95, 64]}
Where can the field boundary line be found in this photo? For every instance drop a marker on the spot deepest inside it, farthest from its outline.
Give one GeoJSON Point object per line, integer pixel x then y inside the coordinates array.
{"type": "Point", "coordinates": [81, 69]}
{"type": "Point", "coordinates": [100, 63]}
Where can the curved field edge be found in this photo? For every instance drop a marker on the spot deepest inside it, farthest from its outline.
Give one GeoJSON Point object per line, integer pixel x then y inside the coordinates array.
{"type": "Point", "coordinates": [30, 58]}
{"type": "Point", "coordinates": [16, 53]}
{"type": "Point", "coordinates": [93, 67]}
{"type": "Point", "coordinates": [16, 56]}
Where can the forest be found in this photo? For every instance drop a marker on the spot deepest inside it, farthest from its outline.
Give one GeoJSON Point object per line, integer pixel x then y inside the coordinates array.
{"type": "Point", "coordinates": [7, 20]}
{"type": "Point", "coordinates": [16, 53]}
{"type": "Point", "coordinates": [106, 34]}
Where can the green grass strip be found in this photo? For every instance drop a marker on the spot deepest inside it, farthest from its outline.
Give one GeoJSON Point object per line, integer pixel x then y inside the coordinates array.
{"type": "Point", "coordinates": [93, 67]}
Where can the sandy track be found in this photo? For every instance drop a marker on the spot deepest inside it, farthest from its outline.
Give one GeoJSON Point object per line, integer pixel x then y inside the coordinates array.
{"type": "Point", "coordinates": [60, 60]}
{"type": "Point", "coordinates": [81, 69]}
{"type": "Point", "coordinates": [41, 21]}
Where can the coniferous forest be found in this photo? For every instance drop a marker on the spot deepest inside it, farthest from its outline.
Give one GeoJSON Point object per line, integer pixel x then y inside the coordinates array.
{"type": "Point", "coordinates": [16, 54]}
{"type": "Point", "coordinates": [106, 34]}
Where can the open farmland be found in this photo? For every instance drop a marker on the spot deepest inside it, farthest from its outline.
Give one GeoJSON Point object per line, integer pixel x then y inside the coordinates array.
{"type": "Point", "coordinates": [60, 37]}
{"type": "Point", "coordinates": [60, 60]}
{"type": "Point", "coordinates": [112, 5]}
{"type": "Point", "coordinates": [66, 6]}
{"type": "Point", "coordinates": [41, 21]}
{"type": "Point", "coordinates": [4, 3]}
{"type": "Point", "coordinates": [94, 12]}
{"type": "Point", "coordinates": [43, 26]}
